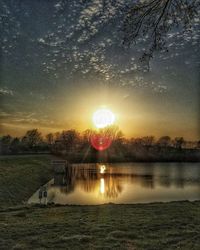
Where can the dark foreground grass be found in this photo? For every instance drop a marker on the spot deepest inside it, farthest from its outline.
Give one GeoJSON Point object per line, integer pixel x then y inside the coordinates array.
{"type": "Point", "coordinates": [173, 225]}
{"type": "Point", "coordinates": [20, 176]}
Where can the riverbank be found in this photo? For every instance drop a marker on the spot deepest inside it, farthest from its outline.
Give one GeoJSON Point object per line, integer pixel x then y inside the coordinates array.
{"type": "Point", "coordinates": [20, 176]}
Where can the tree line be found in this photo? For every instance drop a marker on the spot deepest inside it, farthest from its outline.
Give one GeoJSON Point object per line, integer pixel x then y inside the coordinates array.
{"type": "Point", "coordinates": [77, 146]}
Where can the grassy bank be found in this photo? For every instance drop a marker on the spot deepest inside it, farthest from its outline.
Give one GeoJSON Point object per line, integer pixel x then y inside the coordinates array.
{"type": "Point", "coordinates": [21, 175]}
{"type": "Point", "coordinates": [173, 225]}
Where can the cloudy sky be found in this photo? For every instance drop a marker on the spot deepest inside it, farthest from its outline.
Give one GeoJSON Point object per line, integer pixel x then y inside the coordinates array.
{"type": "Point", "coordinates": [62, 60]}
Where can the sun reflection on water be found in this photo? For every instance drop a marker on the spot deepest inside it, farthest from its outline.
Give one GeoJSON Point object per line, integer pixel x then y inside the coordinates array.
{"type": "Point", "coordinates": [102, 186]}
{"type": "Point", "coordinates": [102, 169]}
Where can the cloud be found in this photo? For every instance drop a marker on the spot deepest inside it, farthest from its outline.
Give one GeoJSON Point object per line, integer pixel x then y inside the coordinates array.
{"type": "Point", "coordinates": [6, 91]}
{"type": "Point", "coordinates": [4, 114]}
{"type": "Point", "coordinates": [29, 119]}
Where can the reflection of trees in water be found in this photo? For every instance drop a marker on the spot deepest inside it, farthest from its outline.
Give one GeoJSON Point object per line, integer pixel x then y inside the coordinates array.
{"type": "Point", "coordinates": [181, 176]}
{"type": "Point", "coordinates": [112, 187]}
{"type": "Point", "coordinates": [147, 179]}
{"type": "Point", "coordinates": [88, 177]}
{"type": "Point", "coordinates": [108, 186]}
{"type": "Point", "coordinates": [178, 175]}
{"type": "Point", "coordinates": [66, 181]}
{"type": "Point", "coordinates": [88, 186]}
{"type": "Point", "coordinates": [165, 176]}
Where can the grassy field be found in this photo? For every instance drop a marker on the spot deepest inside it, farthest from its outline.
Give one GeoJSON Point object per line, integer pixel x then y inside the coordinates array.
{"type": "Point", "coordinates": [20, 176]}
{"type": "Point", "coordinates": [152, 226]}
{"type": "Point", "coordinates": [174, 225]}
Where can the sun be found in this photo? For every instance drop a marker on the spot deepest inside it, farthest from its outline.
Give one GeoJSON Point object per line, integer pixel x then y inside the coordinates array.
{"type": "Point", "coordinates": [103, 117]}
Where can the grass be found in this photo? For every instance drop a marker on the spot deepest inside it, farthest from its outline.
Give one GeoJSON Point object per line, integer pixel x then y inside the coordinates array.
{"type": "Point", "coordinates": [174, 225]}
{"type": "Point", "coordinates": [20, 176]}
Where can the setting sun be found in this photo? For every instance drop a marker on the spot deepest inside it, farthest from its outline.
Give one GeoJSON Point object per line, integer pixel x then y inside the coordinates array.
{"type": "Point", "coordinates": [103, 117]}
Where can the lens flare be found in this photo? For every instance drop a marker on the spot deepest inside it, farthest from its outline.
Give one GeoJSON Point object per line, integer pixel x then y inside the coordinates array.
{"type": "Point", "coordinates": [100, 142]}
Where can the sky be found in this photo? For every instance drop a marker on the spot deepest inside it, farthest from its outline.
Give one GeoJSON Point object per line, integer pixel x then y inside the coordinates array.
{"type": "Point", "coordinates": [62, 60]}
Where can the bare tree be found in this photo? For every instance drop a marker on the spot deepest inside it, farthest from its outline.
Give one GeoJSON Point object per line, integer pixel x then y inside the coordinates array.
{"type": "Point", "coordinates": [50, 138]}
{"type": "Point", "coordinates": [5, 142]}
{"type": "Point", "coordinates": [164, 141]}
{"type": "Point", "coordinates": [86, 135]}
{"type": "Point", "coordinates": [179, 142]}
{"type": "Point", "coordinates": [68, 138]}
{"type": "Point", "coordinates": [6, 139]}
{"type": "Point", "coordinates": [153, 19]}
{"type": "Point", "coordinates": [15, 145]}
{"type": "Point", "coordinates": [113, 132]}
{"type": "Point", "coordinates": [32, 138]}
{"type": "Point", "coordinates": [148, 141]}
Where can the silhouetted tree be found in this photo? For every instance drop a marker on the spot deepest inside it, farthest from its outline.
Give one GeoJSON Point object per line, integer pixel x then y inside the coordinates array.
{"type": "Point", "coordinates": [119, 136]}
{"type": "Point", "coordinates": [15, 145]}
{"type": "Point", "coordinates": [6, 139]}
{"type": "Point", "coordinates": [5, 144]}
{"type": "Point", "coordinates": [179, 142]}
{"type": "Point", "coordinates": [50, 138]}
{"type": "Point", "coordinates": [148, 141]}
{"type": "Point", "coordinates": [118, 142]}
{"type": "Point", "coordinates": [136, 142]}
{"type": "Point", "coordinates": [57, 135]}
{"type": "Point", "coordinates": [164, 141]}
{"type": "Point", "coordinates": [112, 131]}
{"type": "Point", "coordinates": [153, 19]}
{"type": "Point", "coordinates": [87, 135]}
{"type": "Point", "coordinates": [68, 138]}
{"type": "Point", "coordinates": [32, 138]}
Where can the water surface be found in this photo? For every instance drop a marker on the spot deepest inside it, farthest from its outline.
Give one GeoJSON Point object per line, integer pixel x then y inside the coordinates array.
{"type": "Point", "coordinates": [123, 183]}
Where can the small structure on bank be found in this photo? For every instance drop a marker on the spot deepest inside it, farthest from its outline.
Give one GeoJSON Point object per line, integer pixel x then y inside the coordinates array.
{"type": "Point", "coordinates": [61, 169]}
{"type": "Point", "coordinates": [42, 195]}
{"type": "Point", "coordinates": [59, 166]}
